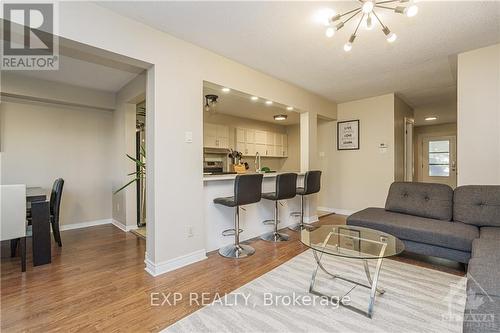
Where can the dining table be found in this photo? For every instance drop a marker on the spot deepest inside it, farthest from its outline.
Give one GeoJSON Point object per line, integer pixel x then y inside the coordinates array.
{"type": "Point", "coordinates": [38, 212]}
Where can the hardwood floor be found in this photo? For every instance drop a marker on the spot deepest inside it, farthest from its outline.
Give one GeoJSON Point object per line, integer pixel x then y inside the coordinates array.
{"type": "Point", "coordinates": [97, 282]}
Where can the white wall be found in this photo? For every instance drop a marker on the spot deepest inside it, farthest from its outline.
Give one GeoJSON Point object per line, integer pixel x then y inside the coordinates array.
{"type": "Point", "coordinates": [124, 124]}
{"type": "Point", "coordinates": [176, 82]}
{"type": "Point", "coordinates": [401, 111]}
{"type": "Point", "coordinates": [42, 142]}
{"type": "Point", "coordinates": [478, 122]}
{"type": "Point", "coordinates": [356, 179]}
{"type": "Point", "coordinates": [292, 163]}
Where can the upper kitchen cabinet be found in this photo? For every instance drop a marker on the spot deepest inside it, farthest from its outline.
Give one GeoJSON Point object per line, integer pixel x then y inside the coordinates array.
{"type": "Point", "coordinates": [215, 136]}
{"type": "Point", "coordinates": [270, 144]}
{"type": "Point", "coordinates": [245, 141]}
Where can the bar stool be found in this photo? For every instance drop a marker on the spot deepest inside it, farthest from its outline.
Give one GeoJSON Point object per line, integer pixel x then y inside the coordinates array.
{"type": "Point", "coordinates": [247, 190]}
{"type": "Point", "coordinates": [286, 188]}
{"type": "Point", "coordinates": [312, 184]}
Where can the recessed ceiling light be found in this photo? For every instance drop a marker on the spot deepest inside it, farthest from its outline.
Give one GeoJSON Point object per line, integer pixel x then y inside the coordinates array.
{"type": "Point", "coordinates": [254, 98]}
{"type": "Point", "coordinates": [289, 108]}
{"type": "Point", "coordinates": [280, 117]}
{"type": "Point", "coordinates": [226, 90]}
{"type": "Point", "coordinates": [430, 118]}
{"type": "Point", "coordinates": [269, 102]}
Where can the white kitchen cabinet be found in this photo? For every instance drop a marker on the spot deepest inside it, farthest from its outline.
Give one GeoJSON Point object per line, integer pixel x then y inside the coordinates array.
{"type": "Point", "coordinates": [245, 141]}
{"type": "Point", "coordinates": [270, 144]}
{"type": "Point", "coordinates": [261, 149]}
{"type": "Point", "coordinates": [271, 150]}
{"type": "Point", "coordinates": [261, 137]}
{"type": "Point", "coordinates": [215, 136]}
{"type": "Point", "coordinates": [270, 137]}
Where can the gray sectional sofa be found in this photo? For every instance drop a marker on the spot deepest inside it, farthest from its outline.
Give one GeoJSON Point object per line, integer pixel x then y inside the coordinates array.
{"type": "Point", "coordinates": [462, 225]}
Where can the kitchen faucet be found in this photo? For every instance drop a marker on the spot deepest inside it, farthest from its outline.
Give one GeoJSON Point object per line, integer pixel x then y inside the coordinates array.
{"type": "Point", "coordinates": [257, 162]}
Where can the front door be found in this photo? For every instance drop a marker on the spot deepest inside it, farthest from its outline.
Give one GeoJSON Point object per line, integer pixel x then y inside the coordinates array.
{"type": "Point", "coordinates": [439, 160]}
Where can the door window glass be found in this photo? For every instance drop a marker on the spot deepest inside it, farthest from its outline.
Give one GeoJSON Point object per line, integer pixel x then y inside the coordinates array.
{"type": "Point", "coordinates": [439, 158]}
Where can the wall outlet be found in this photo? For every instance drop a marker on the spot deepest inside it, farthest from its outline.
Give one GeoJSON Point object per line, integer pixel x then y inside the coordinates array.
{"type": "Point", "coordinates": [190, 232]}
{"type": "Point", "coordinates": [188, 137]}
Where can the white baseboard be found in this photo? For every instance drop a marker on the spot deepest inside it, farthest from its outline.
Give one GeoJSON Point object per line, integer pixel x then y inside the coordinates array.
{"type": "Point", "coordinates": [172, 264]}
{"type": "Point", "coordinates": [123, 227]}
{"type": "Point", "coordinates": [84, 224]}
{"type": "Point", "coordinates": [337, 210]}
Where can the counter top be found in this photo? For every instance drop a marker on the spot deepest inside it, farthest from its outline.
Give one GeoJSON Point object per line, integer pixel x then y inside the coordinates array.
{"type": "Point", "coordinates": [208, 178]}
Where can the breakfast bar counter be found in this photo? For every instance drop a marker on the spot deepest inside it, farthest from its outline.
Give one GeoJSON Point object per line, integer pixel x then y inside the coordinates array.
{"type": "Point", "coordinates": [219, 218]}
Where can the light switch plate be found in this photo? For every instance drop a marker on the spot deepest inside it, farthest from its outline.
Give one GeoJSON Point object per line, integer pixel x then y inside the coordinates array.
{"type": "Point", "coordinates": [188, 137]}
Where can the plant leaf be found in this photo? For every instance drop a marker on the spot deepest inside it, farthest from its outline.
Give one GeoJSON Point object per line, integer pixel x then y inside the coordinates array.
{"type": "Point", "coordinates": [124, 186]}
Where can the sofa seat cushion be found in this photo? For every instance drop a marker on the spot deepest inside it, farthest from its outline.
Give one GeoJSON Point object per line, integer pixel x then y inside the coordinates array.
{"type": "Point", "coordinates": [477, 204]}
{"type": "Point", "coordinates": [433, 201]}
{"type": "Point", "coordinates": [483, 276]}
{"type": "Point", "coordinates": [482, 314]}
{"type": "Point", "coordinates": [458, 236]}
{"type": "Point", "coordinates": [485, 248]}
{"type": "Point", "coordinates": [490, 233]}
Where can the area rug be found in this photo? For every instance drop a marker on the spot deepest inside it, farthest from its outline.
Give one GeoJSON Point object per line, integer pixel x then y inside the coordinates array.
{"type": "Point", "coordinates": [416, 300]}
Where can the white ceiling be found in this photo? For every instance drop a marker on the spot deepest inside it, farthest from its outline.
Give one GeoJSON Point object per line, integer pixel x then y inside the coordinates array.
{"type": "Point", "coordinates": [283, 39]}
{"type": "Point", "coordinates": [238, 104]}
{"type": "Point", "coordinates": [85, 74]}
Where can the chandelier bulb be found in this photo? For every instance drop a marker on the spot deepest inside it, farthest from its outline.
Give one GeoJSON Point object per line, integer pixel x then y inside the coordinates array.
{"type": "Point", "coordinates": [391, 37]}
{"type": "Point", "coordinates": [369, 22]}
{"type": "Point", "coordinates": [411, 11]}
{"type": "Point", "coordinates": [330, 31]}
{"type": "Point", "coordinates": [367, 6]}
{"type": "Point", "coordinates": [347, 46]}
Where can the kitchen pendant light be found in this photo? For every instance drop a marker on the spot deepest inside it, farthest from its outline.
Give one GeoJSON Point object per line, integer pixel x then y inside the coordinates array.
{"type": "Point", "coordinates": [210, 102]}
{"type": "Point", "coordinates": [367, 10]}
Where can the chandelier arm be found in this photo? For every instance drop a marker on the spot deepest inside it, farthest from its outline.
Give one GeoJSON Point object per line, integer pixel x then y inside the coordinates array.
{"type": "Point", "coordinates": [349, 12]}
{"type": "Point", "coordinates": [359, 23]}
{"type": "Point", "coordinates": [359, 11]}
{"type": "Point", "coordinates": [384, 7]}
{"type": "Point", "coordinates": [388, 1]}
{"type": "Point", "coordinates": [378, 19]}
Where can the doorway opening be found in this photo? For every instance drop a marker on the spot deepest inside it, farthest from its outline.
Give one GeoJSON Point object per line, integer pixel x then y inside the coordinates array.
{"type": "Point", "coordinates": [140, 155]}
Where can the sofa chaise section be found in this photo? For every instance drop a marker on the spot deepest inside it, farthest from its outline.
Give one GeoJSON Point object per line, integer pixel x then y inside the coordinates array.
{"type": "Point", "coordinates": [420, 214]}
{"type": "Point", "coordinates": [421, 235]}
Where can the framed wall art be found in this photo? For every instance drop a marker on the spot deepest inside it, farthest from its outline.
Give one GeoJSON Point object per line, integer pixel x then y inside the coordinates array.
{"type": "Point", "coordinates": [348, 135]}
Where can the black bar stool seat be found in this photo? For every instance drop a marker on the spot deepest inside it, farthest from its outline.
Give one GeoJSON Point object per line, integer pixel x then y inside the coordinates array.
{"type": "Point", "coordinates": [226, 201]}
{"type": "Point", "coordinates": [247, 190]}
{"type": "Point", "coordinates": [286, 188]}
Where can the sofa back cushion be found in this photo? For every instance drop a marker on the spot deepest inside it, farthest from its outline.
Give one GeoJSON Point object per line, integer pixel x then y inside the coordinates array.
{"type": "Point", "coordinates": [477, 204]}
{"type": "Point", "coordinates": [433, 201]}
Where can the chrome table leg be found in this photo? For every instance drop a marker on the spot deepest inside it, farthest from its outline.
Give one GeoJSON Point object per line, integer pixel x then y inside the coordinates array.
{"type": "Point", "coordinates": [372, 283]}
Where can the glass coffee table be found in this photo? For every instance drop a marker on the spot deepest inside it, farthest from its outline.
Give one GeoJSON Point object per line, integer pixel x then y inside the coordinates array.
{"type": "Point", "coordinates": [351, 242]}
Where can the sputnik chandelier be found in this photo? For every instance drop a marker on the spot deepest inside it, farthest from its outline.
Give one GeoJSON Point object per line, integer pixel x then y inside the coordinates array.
{"type": "Point", "coordinates": [370, 17]}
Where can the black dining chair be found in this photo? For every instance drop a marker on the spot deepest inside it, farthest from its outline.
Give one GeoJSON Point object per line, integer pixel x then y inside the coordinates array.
{"type": "Point", "coordinates": [55, 204]}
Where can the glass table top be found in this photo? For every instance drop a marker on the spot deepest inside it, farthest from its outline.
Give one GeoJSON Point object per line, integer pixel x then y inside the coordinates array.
{"type": "Point", "coordinates": [351, 241]}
